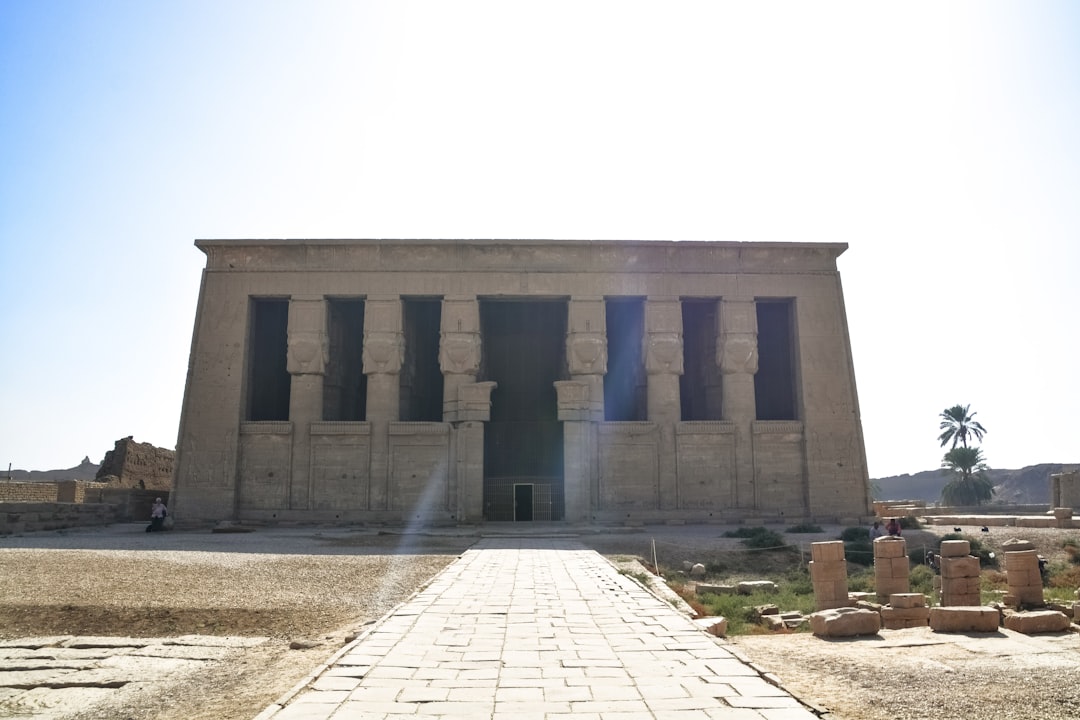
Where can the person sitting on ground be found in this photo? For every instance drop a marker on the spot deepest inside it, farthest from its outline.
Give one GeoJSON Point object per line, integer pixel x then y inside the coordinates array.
{"type": "Point", "coordinates": [158, 511]}
{"type": "Point", "coordinates": [876, 531]}
{"type": "Point", "coordinates": [893, 527]}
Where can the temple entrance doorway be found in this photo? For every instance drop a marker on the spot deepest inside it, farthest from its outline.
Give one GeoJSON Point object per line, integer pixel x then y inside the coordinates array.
{"type": "Point", "coordinates": [523, 350]}
{"type": "Point", "coordinates": [523, 502]}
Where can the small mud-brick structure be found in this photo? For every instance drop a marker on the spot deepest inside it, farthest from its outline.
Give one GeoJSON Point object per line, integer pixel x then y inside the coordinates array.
{"type": "Point", "coordinates": [469, 381]}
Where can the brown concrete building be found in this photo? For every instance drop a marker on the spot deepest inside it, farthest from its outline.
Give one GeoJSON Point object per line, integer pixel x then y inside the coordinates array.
{"type": "Point", "coordinates": [466, 381]}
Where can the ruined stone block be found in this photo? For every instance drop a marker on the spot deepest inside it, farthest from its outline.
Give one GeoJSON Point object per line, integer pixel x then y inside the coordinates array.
{"type": "Point", "coordinates": [821, 572]}
{"type": "Point", "coordinates": [955, 548]}
{"type": "Point", "coordinates": [1037, 621]}
{"type": "Point", "coordinates": [902, 601]}
{"type": "Point", "coordinates": [900, 618]}
{"type": "Point", "coordinates": [752, 586]}
{"type": "Point", "coordinates": [823, 552]}
{"type": "Point", "coordinates": [845, 622]}
{"type": "Point", "coordinates": [959, 567]}
{"type": "Point", "coordinates": [713, 625]}
{"type": "Point", "coordinates": [964, 619]}
{"type": "Point", "coordinates": [890, 547]}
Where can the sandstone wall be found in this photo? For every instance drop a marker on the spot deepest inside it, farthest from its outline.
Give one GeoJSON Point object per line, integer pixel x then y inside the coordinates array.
{"type": "Point", "coordinates": [138, 465]}
{"type": "Point", "coordinates": [19, 517]}
{"type": "Point", "coordinates": [23, 492]}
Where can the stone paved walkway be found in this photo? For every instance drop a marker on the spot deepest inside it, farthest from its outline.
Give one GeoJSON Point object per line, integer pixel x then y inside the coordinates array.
{"type": "Point", "coordinates": [530, 629]}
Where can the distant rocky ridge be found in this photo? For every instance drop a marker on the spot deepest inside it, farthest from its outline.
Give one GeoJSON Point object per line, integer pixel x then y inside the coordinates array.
{"type": "Point", "coordinates": [1027, 486]}
{"type": "Point", "coordinates": [85, 470]}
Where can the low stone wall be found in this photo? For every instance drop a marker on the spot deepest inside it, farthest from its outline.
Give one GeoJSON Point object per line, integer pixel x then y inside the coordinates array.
{"type": "Point", "coordinates": [18, 517]}
{"type": "Point", "coordinates": [23, 492]}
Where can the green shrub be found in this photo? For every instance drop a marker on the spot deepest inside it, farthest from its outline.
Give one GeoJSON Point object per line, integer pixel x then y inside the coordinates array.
{"type": "Point", "coordinates": [798, 581]}
{"type": "Point", "coordinates": [921, 580]}
{"type": "Point", "coordinates": [805, 528]}
{"type": "Point", "coordinates": [738, 609]}
{"type": "Point", "coordinates": [746, 532]}
{"type": "Point", "coordinates": [910, 522]}
{"type": "Point", "coordinates": [765, 540]}
{"type": "Point", "coordinates": [858, 548]}
{"type": "Point", "coordinates": [855, 533]}
{"type": "Point", "coordinates": [861, 581]}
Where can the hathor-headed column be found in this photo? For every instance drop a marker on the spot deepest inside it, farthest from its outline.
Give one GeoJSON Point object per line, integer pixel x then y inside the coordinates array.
{"type": "Point", "coordinates": [384, 352]}
{"type": "Point", "coordinates": [581, 404]}
{"type": "Point", "coordinates": [737, 355]}
{"type": "Point", "coordinates": [306, 362]}
{"type": "Point", "coordinates": [664, 364]}
{"type": "Point", "coordinates": [459, 350]}
{"type": "Point", "coordinates": [466, 403]}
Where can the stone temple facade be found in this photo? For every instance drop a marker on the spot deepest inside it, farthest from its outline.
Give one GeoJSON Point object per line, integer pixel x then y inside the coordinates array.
{"type": "Point", "coordinates": [470, 381]}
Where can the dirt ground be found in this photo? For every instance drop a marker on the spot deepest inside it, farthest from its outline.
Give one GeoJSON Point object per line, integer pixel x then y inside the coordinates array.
{"type": "Point", "coordinates": [310, 591]}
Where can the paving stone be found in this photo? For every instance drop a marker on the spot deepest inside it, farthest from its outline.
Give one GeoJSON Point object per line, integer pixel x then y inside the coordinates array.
{"type": "Point", "coordinates": [527, 628]}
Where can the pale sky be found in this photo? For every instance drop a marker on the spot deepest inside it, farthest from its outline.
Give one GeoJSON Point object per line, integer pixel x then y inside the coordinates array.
{"type": "Point", "coordinates": [939, 140]}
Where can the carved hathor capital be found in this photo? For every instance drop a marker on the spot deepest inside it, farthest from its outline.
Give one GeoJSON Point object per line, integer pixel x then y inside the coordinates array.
{"type": "Point", "coordinates": [737, 350]}
{"type": "Point", "coordinates": [664, 353]}
{"type": "Point", "coordinates": [459, 353]}
{"type": "Point", "coordinates": [663, 343]}
{"type": "Point", "coordinates": [307, 343]}
{"type": "Point", "coordinates": [459, 336]}
{"type": "Point", "coordinates": [586, 353]}
{"type": "Point", "coordinates": [384, 352]}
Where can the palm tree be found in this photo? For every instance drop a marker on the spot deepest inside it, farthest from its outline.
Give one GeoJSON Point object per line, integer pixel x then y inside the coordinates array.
{"type": "Point", "coordinates": [958, 422]}
{"type": "Point", "coordinates": [970, 485]}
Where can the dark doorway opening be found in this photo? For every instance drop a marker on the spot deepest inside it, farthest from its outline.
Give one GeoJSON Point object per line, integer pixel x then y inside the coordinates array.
{"type": "Point", "coordinates": [524, 353]}
{"type": "Point", "coordinates": [626, 384]}
{"type": "Point", "coordinates": [269, 381]}
{"type": "Point", "coordinates": [421, 380]}
{"type": "Point", "coordinates": [345, 384]}
{"type": "Point", "coordinates": [523, 502]}
{"type": "Point", "coordinates": [700, 385]}
{"type": "Point", "coordinates": [774, 383]}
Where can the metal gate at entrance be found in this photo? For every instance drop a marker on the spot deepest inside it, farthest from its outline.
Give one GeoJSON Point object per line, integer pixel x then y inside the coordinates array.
{"type": "Point", "coordinates": [523, 347]}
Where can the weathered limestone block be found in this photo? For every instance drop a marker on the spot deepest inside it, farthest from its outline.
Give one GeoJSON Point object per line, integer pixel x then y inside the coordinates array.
{"type": "Point", "coordinates": [959, 567]}
{"type": "Point", "coordinates": [955, 548]}
{"type": "Point", "coordinates": [890, 547]}
{"type": "Point", "coordinates": [964, 619]}
{"type": "Point", "coordinates": [1024, 578]}
{"type": "Point", "coordinates": [845, 622]}
{"type": "Point", "coordinates": [1015, 545]}
{"type": "Point", "coordinates": [890, 567]}
{"type": "Point", "coordinates": [831, 551]}
{"type": "Point", "coordinates": [713, 625]}
{"type": "Point", "coordinates": [903, 601]}
{"type": "Point", "coordinates": [900, 618]}
{"type": "Point", "coordinates": [697, 570]}
{"type": "Point", "coordinates": [1037, 621]}
{"type": "Point", "coordinates": [752, 586]}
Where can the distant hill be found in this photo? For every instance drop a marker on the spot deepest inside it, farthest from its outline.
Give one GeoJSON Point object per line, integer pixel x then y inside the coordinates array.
{"type": "Point", "coordinates": [85, 470]}
{"type": "Point", "coordinates": [1027, 486]}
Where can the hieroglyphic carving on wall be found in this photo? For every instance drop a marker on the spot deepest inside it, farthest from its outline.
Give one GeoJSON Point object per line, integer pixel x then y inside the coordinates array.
{"type": "Point", "coordinates": [308, 346]}
{"type": "Point", "coordinates": [384, 352]}
{"type": "Point", "coordinates": [737, 351]}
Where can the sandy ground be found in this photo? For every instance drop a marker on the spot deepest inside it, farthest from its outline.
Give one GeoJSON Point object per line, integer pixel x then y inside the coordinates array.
{"type": "Point", "coordinates": [306, 592]}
